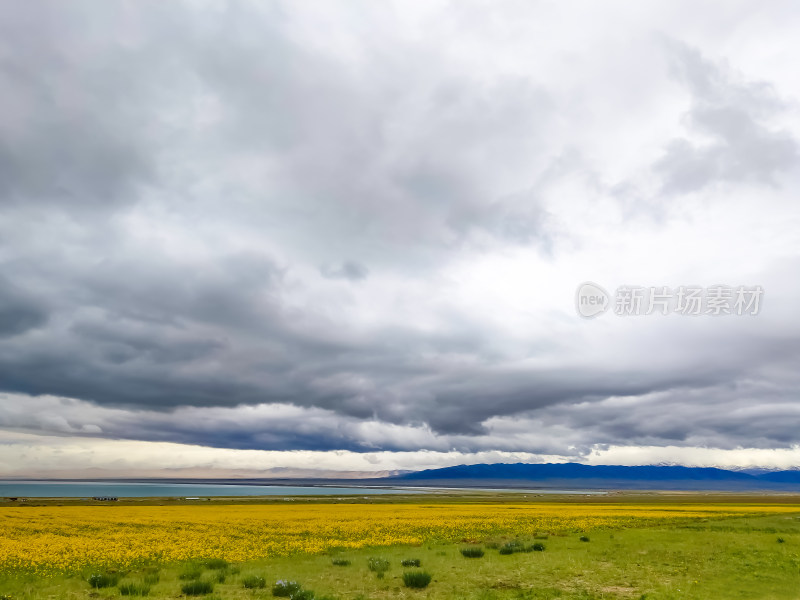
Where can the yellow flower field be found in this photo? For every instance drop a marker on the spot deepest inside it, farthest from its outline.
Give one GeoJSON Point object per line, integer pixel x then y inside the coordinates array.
{"type": "Point", "coordinates": [52, 539]}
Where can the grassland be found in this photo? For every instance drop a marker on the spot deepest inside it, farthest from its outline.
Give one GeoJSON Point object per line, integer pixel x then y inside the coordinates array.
{"type": "Point", "coordinates": [638, 547]}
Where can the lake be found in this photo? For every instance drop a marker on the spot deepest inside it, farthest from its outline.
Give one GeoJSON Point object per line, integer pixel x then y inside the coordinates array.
{"type": "Point", "coordinates": [89, 489]}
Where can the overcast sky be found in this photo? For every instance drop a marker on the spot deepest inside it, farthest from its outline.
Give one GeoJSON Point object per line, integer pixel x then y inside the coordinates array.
{"type": "Point", "coordinates": [348, 235]}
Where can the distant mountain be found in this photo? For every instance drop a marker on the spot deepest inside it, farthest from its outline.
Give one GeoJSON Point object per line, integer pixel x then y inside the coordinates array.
{"type": "Point", "coordinates": [602, 476]}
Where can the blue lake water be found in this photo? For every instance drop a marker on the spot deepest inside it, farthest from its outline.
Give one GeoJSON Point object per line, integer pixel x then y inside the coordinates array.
{"type": "Point", "coordinates": [88, 489]}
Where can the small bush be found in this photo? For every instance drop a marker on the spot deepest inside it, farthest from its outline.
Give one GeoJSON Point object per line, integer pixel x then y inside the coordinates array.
{"type": "Point", "coordinates": [341, 562]}
{"type": "Point", "coordinates": [103, 580]}
{"type": "Point", "coordinates": [285, 589]}
{"type": "Point", "coordinates": [254, 582]}
{"type": "Point", "coordinates": [191, 572]}
{"type": "Point", "coordinates": [416, 579]}
{"type": "Point", "coordinates": [378, 565]}
{"type": "Point", "coordinates": [302, 595]}
{"type": "Point", "coordinates": [197, 588]}
{"type": "Point", "coordinates": [410, 562]}
{"type": "Point", "coordinates": [216, 563]}
{"type": "Point", "coordinates": [134, 589]}
{"type": "Point", "coordinates": [781, 540]}
{"type": "Point", "coordinates": [537, 547]}
{"type": "Point", "coordinates": [511, 547]}
{"type": "Point", "coordinates": [472, 552]}
{"type": "Point", "coordinates": [151, 578]}
{"type": "Point", "coordinates": [584, 538]}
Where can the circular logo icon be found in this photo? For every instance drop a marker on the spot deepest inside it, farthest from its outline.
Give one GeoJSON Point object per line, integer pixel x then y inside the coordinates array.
{"type": "Point", "coordinates": [591, 300]}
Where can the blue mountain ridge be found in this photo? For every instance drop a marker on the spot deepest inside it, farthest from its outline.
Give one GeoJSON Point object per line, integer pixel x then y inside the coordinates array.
{"type": "Point", "coordinates": [576, 471]}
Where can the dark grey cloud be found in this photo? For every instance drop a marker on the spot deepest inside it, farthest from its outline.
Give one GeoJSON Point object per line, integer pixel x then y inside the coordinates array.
{"type": "Point", "coordinates": [19, 312]}
{"type": "Point", "coordinates": [183, 191]}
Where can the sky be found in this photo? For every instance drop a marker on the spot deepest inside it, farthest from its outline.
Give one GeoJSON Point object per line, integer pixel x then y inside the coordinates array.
{"type": "Point", "coordinates": [242, 239]}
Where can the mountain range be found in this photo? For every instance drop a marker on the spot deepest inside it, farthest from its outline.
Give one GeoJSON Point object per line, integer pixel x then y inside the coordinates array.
{"type": "Point", "coordinates": [566, 475]}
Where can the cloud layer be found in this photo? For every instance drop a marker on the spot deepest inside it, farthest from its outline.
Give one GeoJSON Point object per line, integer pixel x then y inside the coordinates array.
{"type": "Point", "coordinates": [302, 227]}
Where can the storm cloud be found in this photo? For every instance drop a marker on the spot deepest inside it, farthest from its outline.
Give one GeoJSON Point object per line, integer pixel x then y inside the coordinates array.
{"type": "Point", "coordinates": [322, 227]}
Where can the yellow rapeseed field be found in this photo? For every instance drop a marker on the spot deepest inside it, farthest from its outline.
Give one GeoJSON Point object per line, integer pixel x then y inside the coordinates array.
{"type": "Point", "coordinates": [48, 540]}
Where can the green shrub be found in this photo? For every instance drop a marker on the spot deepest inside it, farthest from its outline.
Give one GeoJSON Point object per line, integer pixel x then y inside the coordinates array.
{"type": "Point", "coordinates": [416, 579]}
{"type": "Point", "coordinates": [103, 580]}
{"type": "Point", "coordinates": [286, 589]}
{"type": "Point", "coordinates": [506, 550]}
{"type": "Point", "coordinates": [191, 571]}
{"type": "Point", "coordinates": [781, 540]}
{"type": "Point", "coordinates": [410, 562]}
{"type": "Point", "coordinates": [216, 563]}
{"type": "Point", "coordinates": [472, 552]}
{"type": "Point", "coordinates": [584, 538]}
{"type": "Point", "coordinates": [254, 582]}
{"type": "Point", "coordinates": [134, 589]}
{"type": "Point", "coordinates": [197, 588]}
{"type": "Point", "coordinates": [378, 565]}
{"type": "Point", "coordinates": [302, 595]}
{"type": "Point", "coordinates": [537, 547]}
{"type": "Point", "coordinates": [341, 562]}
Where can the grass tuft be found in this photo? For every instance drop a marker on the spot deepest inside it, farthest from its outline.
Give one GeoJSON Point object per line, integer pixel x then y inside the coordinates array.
{"type": "Point", "coordinates": [254, 582]}
{"type": "Point", "coordinates": [286, 589]}
{"type": "Point", "coordinates": [340, 562]}
{"type": "Point", "coordinates": [134, 589]}
{"type": "Point", "coordinates": [215, 563]}
{"type": "Point", "coordinates": [191, 571]}
{"type": "Point", "coordinates": [103, 580]}
{"type": "Point", "coordinates": [584, 538]}
{"type": "Point", "coordinates": [410, 562]}
{"type": "Point", "coordinates": [197, 588]}
{"type": "Point", "coordinates": [378, 565]}
{"type": "Point", "coordinates": [416, 579]}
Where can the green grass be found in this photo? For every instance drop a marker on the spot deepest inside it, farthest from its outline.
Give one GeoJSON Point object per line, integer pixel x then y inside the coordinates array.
{"type": "Point", "coordinates": [416, 579]}
{"type": "Point", "coordinates": [197, 588]}
{"type": "Point", "coordinates": [254, 582]}
{"type": "Point", "coordinates": [472, 552]}
{"type": "Point", "coordinates": [731, 559]}
{"type": "Point", "coordinates": [134, 589]}
{"type": "Point", "coordinates": [103, 580]}
{"type": "Point", "coordinates": [191, 571]}
{"type": "Point", "coordinates": [378, 565]}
